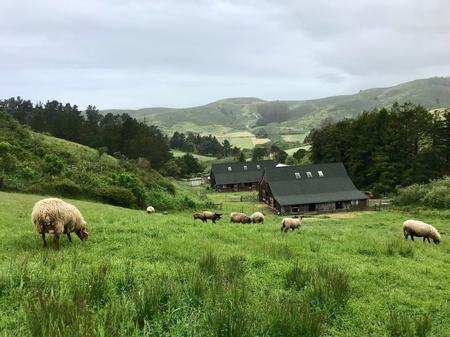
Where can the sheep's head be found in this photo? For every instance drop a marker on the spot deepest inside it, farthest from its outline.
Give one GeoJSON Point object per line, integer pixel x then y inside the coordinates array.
{"type": "Point", "coordinates": [83, 232]}
{"type": "Point", "coordinates": [247, 220]}
{"type": "Point", "coordinates": [218, 215]}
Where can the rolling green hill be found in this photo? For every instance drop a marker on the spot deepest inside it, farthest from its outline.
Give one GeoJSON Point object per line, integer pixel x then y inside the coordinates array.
{"type": "Point", "coordinates": [36, 163]}
{"type": "Point", "coordinates": [228, 115]}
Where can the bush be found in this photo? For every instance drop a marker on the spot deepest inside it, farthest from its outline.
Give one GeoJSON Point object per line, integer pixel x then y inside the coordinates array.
{"type": "Point", "coordinates": [65, 187]}
{"type": "Point", "coordinates": [435, 194]}
{"type": "Point", "coordinates": [114, 195]}
{"type": "Point", "coordinates": [52, 164]}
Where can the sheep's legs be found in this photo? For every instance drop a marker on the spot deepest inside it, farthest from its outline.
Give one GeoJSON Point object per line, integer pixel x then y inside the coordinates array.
{"type": "Point", "coordinates": [56, 241]}
{"type": "Point", "coordinates": [69, 237]}
{"type": "Point", "coordinates": [43, 239]}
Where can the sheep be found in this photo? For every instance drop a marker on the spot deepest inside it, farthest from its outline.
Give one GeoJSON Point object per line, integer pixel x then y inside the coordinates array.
{"type": "Point", "coordinates": [257, 217]}
{"type": "Point", "coordinates": [207, 215]}
{"type": "Point", "coordinates": [150, 209]}
{"type": "Point", "coordinates": [57, 217]}
{"type": "Point", "coordinates": [420, 229]}
{"type": "Point", "coordinates": [239, 218]}
{"type": "Point", "coordinates": [291, 223]}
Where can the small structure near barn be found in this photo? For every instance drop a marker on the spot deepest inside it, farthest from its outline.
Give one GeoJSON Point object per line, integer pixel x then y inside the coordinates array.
{"type": "Point", "coordinates": [196, 181]}
{"type": "Point", "coordinates": [310, 189]}
{"type": "Point", "coordinates": [241, 176]}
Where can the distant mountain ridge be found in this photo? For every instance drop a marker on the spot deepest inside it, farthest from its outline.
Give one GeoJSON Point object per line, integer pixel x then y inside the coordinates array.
{"type": "Point", "coordinates": [241, 113]}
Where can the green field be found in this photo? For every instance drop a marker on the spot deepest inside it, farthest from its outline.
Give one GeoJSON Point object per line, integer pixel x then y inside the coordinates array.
{"type": "Point", "coordinates": [348, 274]}
{"type": "Point", "coordinates": [178, 153]}
{"type": "Point", "coordinates": [300, 137]}
{"type": "Point", "coordinates": [295, 149]}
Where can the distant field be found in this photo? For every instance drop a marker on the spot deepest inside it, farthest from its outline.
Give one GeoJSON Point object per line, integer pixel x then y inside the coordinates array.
{"type": "Point", "coordinates": [177, 153]}
{"type": "Point", "coordinates": [294, 138]}
{"type": "Point", "coordinates": [295, 149]}
{"type": "Point", "coordinates": [242, 139]}
{"type": "Point", "coordinates": [340, 275]}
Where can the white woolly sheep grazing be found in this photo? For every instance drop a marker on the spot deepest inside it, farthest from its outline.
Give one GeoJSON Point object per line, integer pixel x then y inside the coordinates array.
{"type": "Point", "coordinates": [291, 223]}
{"type": "Point", "coordinates": [257, 217]}
{"type": "Point", "coordinates": [420, 229]}
{"type": "Point", "coordinates": [150, 209]}
{"type": "Point", "coordinates": [57, 217]}
{"type": "Point", "coordinates": [237, 217]}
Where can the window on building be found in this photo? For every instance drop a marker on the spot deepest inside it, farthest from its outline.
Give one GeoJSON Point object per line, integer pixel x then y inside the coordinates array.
{"type": "Point", "coordinates": [297, 175]}
{"type": "Point", "coordinates": [309, 174]}
{"type": "Point", "coordinates": [229, 168]}
{"type": "Point", "coordinates": [320, 173]}
{"type": "Point", "coordinates": [245, 167]}
{"type": "Point", "coordinates": [258, 166]}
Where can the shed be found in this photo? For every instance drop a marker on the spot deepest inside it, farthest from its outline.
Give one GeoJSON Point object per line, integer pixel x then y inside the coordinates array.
{"type": "Point", "coordinates": [238, 176]}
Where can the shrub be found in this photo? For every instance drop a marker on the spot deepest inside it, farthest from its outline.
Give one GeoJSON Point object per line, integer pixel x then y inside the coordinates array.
{"type": "Point", "coordinates": [435, 194]}
{"type": "Point", "coordinates": [52, 164]}
{"type": "Point", "coordinates": [118, 196]}
{"type": "Point", "coordinates": [65, 187]}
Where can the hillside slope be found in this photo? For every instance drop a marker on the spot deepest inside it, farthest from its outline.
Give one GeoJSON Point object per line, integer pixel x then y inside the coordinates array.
{"type": "Point", "coordinates": [36, 163]}
{"type": "Point", "coordinates": [241, 113]}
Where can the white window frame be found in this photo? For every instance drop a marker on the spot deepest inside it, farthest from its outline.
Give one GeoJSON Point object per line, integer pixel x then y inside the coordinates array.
{"type": "Point", "coordinates": [245, 167]}
{"type": "Point", "coordinates": [309, 174]}
{"type": "Point", "coordinates": [320, 173]}
{"type": "Point", "coordinates": [258, 167]}
{"type": "Point", "coordinates": [297, 175]}
{"type": "Point", "coordinates": [229, 169]}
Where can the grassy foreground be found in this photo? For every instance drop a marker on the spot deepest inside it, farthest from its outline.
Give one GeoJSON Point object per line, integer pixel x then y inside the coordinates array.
{"type": "Point", "coordinates": [347, 274]}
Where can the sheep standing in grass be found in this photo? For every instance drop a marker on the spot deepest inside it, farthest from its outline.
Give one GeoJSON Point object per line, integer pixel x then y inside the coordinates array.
{"type": "Point", "coordinates": [207, 215]}
{"type": "Point", "coordinates": [420, 229]}
{"type": "Point", "coordinates": [291, 223]}
{"type": "Point", "coordinates": [150, 209]}
{"type": "Point", "coordinates": [237, 217]}
{"type": "Point", "coordinates": [257, 217]}
{"type": "Point", "coordinates": [57, 217]}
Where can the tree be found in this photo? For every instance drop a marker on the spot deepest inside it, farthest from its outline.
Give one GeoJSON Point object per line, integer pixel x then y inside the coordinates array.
{"type": "Point", "coordinates": [241, 157]}
{"type": "Point", "coordinates": [259, 153]}
{"type": "Point", "coordinates": [280, 156]}
{"type": "Point", "coordinates": [299, 154]}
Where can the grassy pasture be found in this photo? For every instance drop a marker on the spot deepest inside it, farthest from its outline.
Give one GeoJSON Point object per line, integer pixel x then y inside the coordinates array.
{"type": "Point", "coordinates": [178, 153]}
{"type": "Point", "coordinates": [349, 274]}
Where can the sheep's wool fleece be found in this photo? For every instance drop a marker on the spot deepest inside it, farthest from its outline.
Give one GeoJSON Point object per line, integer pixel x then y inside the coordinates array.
{"type": "Point", "coordinates": [257, 217]}
{"type": "Point", "coordinates": [52, 215]}
{"type": "Point", "coordinates": [150, 209]}
{"type": "Point", "coordinates": [420, 228]}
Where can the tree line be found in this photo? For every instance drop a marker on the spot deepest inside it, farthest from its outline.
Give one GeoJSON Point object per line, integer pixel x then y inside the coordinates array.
{"type": "Point", "coordinates": [204, 145]}
{"type": "Point", "coordinates": [389, 147]}
{"type": "Point", "coordinates": [119, 135]}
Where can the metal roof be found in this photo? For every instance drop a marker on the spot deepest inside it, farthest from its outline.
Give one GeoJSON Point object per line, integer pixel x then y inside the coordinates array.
{"type": "Point", "coordinates": [240, 172]}
{"type": "Point", "coordinates": [317, 183]}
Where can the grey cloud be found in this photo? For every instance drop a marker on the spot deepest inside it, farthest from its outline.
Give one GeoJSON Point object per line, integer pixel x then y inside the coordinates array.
{"type": "Point", "coordinates": [143, 53]}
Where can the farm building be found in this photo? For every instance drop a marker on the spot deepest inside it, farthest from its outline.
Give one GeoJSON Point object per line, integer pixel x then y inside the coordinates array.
{"type": "Point", "coordinates": [238, 176]}
{"type": "Point", "coordinates": [310, 188]}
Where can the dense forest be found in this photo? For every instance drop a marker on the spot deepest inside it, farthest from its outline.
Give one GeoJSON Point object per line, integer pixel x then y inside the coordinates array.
{"type": "Point", "coordinates": [204, 145]}
{"type": "Point", "coordinates": [118, 135]}
{"type": "Point", "coordinates": [386, 148]}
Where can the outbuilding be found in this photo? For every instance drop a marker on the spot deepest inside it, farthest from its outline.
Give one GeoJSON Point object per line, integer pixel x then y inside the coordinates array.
{"type": "Point", "coordinates": [310, 189]}
{"type": "Point", "coordinates": [240, 176]}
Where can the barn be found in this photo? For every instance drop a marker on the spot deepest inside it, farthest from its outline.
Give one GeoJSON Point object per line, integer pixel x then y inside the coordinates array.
{"type": "Point", "coordinates": [240, 176]}
{"type": "Point", "coordinates": [310, 189]}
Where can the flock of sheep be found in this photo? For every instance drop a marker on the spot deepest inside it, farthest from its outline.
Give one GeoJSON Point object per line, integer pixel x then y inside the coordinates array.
{"type": "Point", "coordinates": [57, 217]}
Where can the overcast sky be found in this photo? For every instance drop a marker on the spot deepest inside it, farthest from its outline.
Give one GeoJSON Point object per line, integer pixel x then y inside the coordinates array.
{"type": "Point", "coordinates": [177, 53]}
